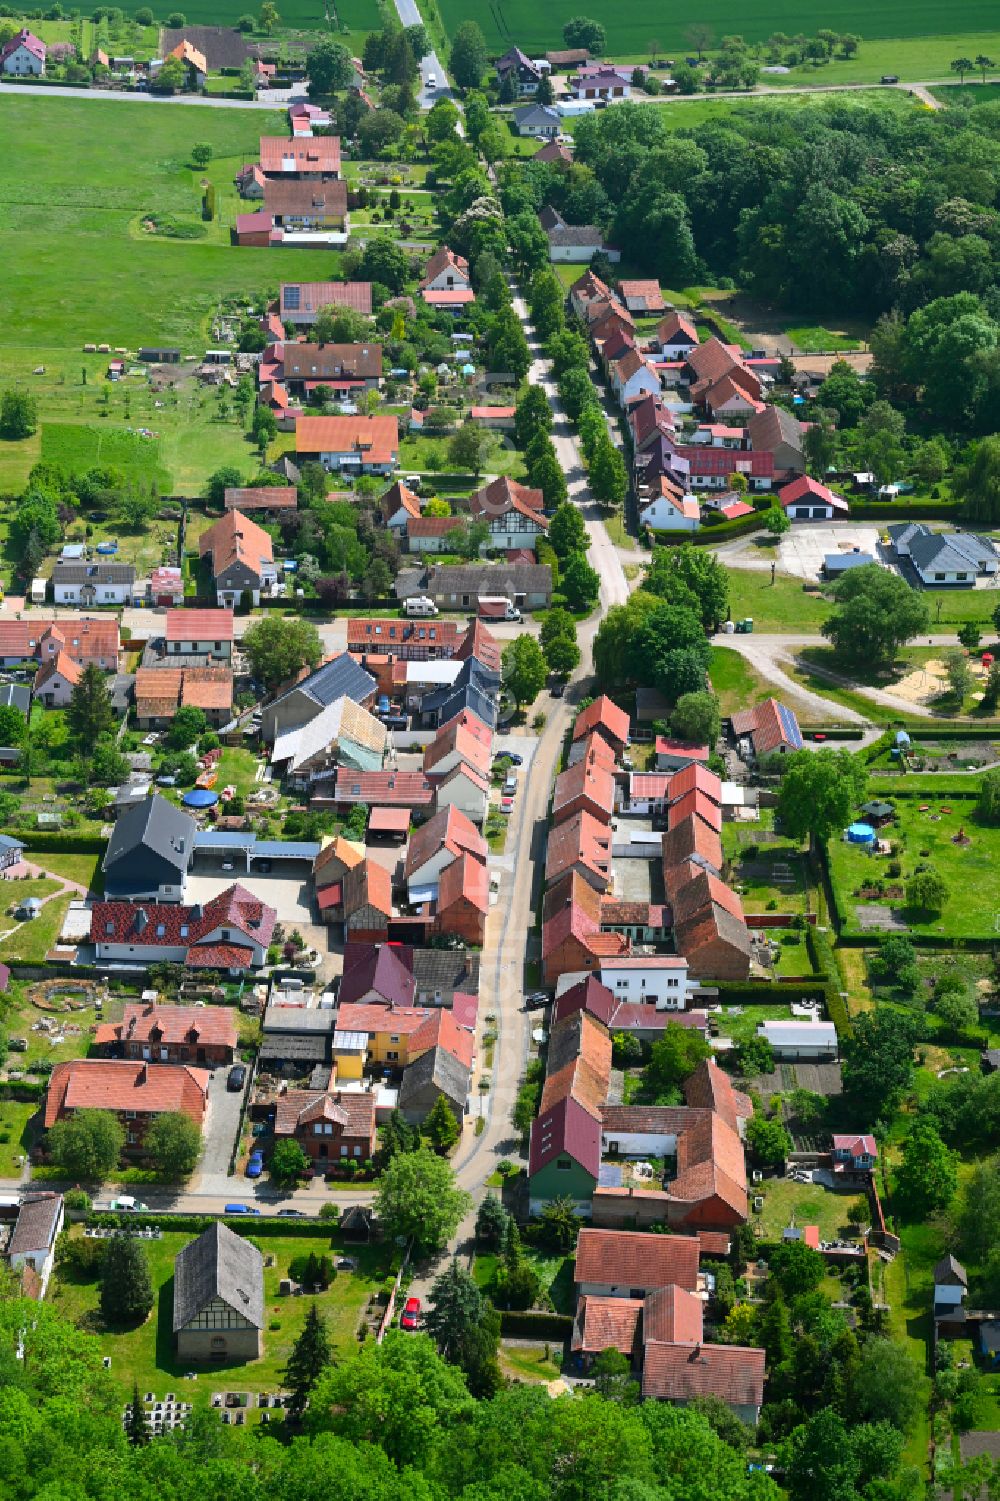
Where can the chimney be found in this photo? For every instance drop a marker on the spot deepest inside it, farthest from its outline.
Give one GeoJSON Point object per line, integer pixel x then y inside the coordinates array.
{"type": "Point", "coordinates": [142, 1077]}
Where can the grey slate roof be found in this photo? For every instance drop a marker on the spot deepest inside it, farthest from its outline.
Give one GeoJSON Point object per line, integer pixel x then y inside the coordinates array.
{"type": "Point", "coordinates": [280, 1049]}
{"type": "Point", "coordinates": [575, 234]}
{"type": "Point", "coordinates": [93, 573]}
{"type": "Point", "coordinates": [437, 1069]}
{"type": "Point", "coordinates": [16, 696]}
{"type": "Point", "coordinates": [479, 578]}
{"type": "Point", "coordinates": [340, 678]}
{"type": "Point", "coordinates": [37, 1218]}
{"type": "Point", "coordinates": [952, 553]}
{"type": "Point", "coordinates": [219, 1264]}
{"type": "Point", "coordinates": [950, 1270]}
{"type": "Point", "coordinates": [152, 824]}
{"type": "Point", "coordinates": [533, 115]}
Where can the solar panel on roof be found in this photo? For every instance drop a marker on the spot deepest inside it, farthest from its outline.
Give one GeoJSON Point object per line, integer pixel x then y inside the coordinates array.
{"type": "Point", "coordinates": [790, 726]}
{"type": "Point", "coordinates": [292, 297]}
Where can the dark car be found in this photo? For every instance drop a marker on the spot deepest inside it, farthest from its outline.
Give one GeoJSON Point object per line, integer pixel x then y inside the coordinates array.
{"type": "Point", "coordinates": [395, 721]}
{"type": "Point", "coordinates": [291, 1214]}
{"type": "Point", "coordinates": [558, 689]}
{"type": "Point", "coordinates": [511, 756]}
{"type": "Point", "coordinates": [237, 1078]}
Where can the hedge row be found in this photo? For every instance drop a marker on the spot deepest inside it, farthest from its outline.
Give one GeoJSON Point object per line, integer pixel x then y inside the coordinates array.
{"type": "Point", "coordinates": [532, 1325]}
{"type": "Point", "coordinates": [25, 1090]}
{"type": "Point", "coordinates": [820, 951]}
{"type": "Point", "coordinates": [707, 535]}
{"type": "Point", "coordinates": [766, 992]}
{"type": "Point", "coordinates": [906, 509]}
{"type": "Point", "coordinates": [62, 843]}
{"type": "Point", "coordinates": [197, 1223]}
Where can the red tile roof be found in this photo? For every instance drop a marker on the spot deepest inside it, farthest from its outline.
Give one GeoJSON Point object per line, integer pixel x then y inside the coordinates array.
{"type": "Point", "coordinates": [236, 539]}
{"type": "Point", "coordinates": [697, 778]}
{"type": "Point", "coordinates": [62, 665]}
{"type": "Point", "coordinates": [409, 789]}
{"type": "Point", "coordinates": [467, 735]}
{"type": "Point", "coordinates": [208, 688]}
{"type": "Point", "coordinates": [589, 778]}
{"type": "Point", "coordinates": [449, 829]}
{"type": "Point", "coordinates": [367, 885]}
{"type": "Point", "coordinates": [444, 259]}
{"type": "Point", "coordinates": [503, 495]}
{"type": "Point", "coordinates": [465, 879]}
{"type": "Point", "coordinates": [604, 716]}
{"type": "Point", "coordinates": [709, 1088]}
{"type": "Point", "coordinates": [808, 489]}
{"type": "Point", "coordinates": [374, 439]}
{"type": "Point", "coordinates": [664, 746]}
{"type": "Point", "coordinates": [629, 1258]}
{"type": "Point", "coordinates": [586, 995]}
{"type": "Point", "coordinates": [119, 1085]}
{"type": "Point", "coordinates": [673, 1315]}
{"type": "Point", "coordinates": [312, 155]}
{"type": "Point", "coordinates": [674, 328]}
{"type": "Point", "coordinates": [441, 1029]}
{"type": "Point", "coordinates": [679, 1373]}
{"type": "Point", "coordinates": [606, 1324]}
{"type": "Point", "coordinates": [353, 1111]}
{"type": "Point", "coordinates": [480, 643]}
{"type": "Point", "coordinates": [580, 840]}
{"type": "Point", "coordinates": [697, 804]}
{"type": "Point", "coordinates": [149, 924]}
{"type": "Point", "coordinates": [196, 1025]}
{"type": "Point", "coordinates": [262, 498]}
{"type": "Point", "coordinates": [199, 625]}
{"type": "Point", "coordinates": [85, 640]}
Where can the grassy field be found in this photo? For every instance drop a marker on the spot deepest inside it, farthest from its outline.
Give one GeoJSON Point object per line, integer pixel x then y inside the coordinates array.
{"type": "Point", "coordinates": [787, 1203]}
{"type": "Point", "coordinates": [970, 871]}
{"type": "Point", "coordinates": [30, 941]}
{"type": "Point", "coordinates": [735, 683]}
{"type": "Point", "coordinates": [14, 1134]}
{"type": "Point", "coordinates": [782, 606]}
{"type": "Point", "coordinates": [146, 1354]}
{"type": "Point", "coordinates": [83, 868]}
{"type": "Point", "coordinates": [631, 29]}
{"type": "Point", "coordinates": [77, 180]}
{"type": "Point", "coordinates": [345, 16]}
{"type": "Point", "coordinates": [78, 445]}
{"type": "Point", "coordinates": [767, 871]}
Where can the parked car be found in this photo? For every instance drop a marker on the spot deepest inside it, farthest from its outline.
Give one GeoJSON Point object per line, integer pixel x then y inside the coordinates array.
{"type": "Point", "coordinates": [538, 998]}
{"type": "Point", "coordinates": [510, 784]}
{"type": "Point", "coordinates": [395, 721]}
{"type": "Point", "coordinates": [512, 757]}
{"type": "Point", "coordinates": [558, 689]}
{"type": "Point", "coordinates": [411, 1314]}
{"type": "Point", "coordinates": [127, 1205]}
{"type": "Point", "coordinates": [240, 1209]}
{"type": "Point", "coordinates": [237, 1077]}
{"type": "Point", "coordinates": [255, 1164]}
{"type": "Point", "coordinates": [506, 804]}
{"type": "Point", "coordinates": [291, 1214]}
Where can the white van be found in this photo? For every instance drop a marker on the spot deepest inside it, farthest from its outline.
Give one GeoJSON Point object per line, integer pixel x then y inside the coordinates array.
{"type": "Point", "coordinates": [419, 605]}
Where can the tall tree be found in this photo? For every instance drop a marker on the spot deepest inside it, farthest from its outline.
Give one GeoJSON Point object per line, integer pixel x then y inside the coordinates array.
{"type": "Point", "coordinates": [455, 1308]}
{"type": "Point", "coordinates": [875, 613]}
{"type": "Point", "coordinates": [89, 713]}
{"type": "Point", "coordinates": [280, 648]}
{"type": "Point", "coordinates": [173, 1143]}
{"type": "Point", "coordinates": [878, 1061]}
{"type": "Point", "coordinates": [417, 1198]}
{"type": "Point", "coordinates": [126, 1284]}
{"type": "Point", "coordinates": [310, 1356]}
{"type": "Point", "coordinates": [819, 791]}
{"type": "Point", "coordinates": [440, 1127]}
{"type": "Point", "coordinates": [469, 55]}
{"type": "Point", "coordinates": [523, 668]}
{"type": "Point", "coordinates": [87, 1144]}
{"type": "Point", "coordinates": [927, 1176]}
{"type": "Point", "coordinates": [136, 1427]}
{"type": "Point", "coordinates": [567, 529]}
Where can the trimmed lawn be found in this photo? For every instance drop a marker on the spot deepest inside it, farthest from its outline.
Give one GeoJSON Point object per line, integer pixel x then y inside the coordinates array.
{"type": "Point", "coordinates": [528, 1362]}
{"type": "Point", "coordinates": [766, 868]}
{"type": "Point", "coordinates": [30, 941]}
{"type": "Point", "coordinates": [83, 868]}
{"type": "Point", "coordinates": [818, 340]}
{"type": "Point", "coordinates": [786, 1202]}
{"type": "Point", "coordinates": [785, 605]}
{"type": "Point", "coordinates": [970, 871]}
{"type": "Point", "coordinates": [14, 1134]}
{"type": "Point", "coordinates": [146, 1354]}
{"type": "Point", "coordinates": [741, 1022]}
{"type": "Point", "coordinates": [735, 683]}
{"type": "Point", "coordinates": [239, 767]}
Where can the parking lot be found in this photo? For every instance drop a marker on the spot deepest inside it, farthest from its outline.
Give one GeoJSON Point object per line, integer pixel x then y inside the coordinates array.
{"type": "Point", "coordinates": [804, 547]}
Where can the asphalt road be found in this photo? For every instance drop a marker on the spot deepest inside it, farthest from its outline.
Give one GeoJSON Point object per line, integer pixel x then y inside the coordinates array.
{"type": "Point", "coordinates": [431, 66]}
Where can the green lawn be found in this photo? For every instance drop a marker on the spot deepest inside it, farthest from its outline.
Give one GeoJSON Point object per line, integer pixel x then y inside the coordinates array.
{"type": "Point", "coordinates": [971, 872]}
{"type": "Point", "coordinates": [803, 1204]}
{"type": "Point", "coordinates": [528, 1362]}
{"type": "Point", "coordinates": [14, 1135]}
{"type": "Point", "coordinates": [30, 941]}
{"type": "Point", "coordinates": [735, 683]}
{"type": "Point", "coordinates": [146, 1354]}
{"type": "Point", "coordinates": [347, 16]}
{"type": "Point", "coordinates": [771, 876]}
{"type": "Point", "coordinates": [77, 180]}
{"type": "Point", "coordinates": [817, 340]}
{"type": "Point", "coordinates": [239, 767]}
{"type": "Point", "coordinates": [78, 445]}
{"type": "Point", "coordinates": [784, 605]}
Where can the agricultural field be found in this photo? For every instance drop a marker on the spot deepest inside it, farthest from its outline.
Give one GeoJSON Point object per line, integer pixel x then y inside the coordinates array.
{"type": "Point", "coordinates": [351, 18]}
{"type": "Point", "coordinates": [631, 30]}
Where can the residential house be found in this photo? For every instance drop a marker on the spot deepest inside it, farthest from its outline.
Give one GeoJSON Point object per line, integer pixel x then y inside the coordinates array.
{"type": "Point", "coordinates": [567, 57]}
{"type": "Point", "coordinates": [588, 785]}
{"type": "Point", "coordinates": [854, 1155]}
{"type": "Point", "coordinates": [367, 902]}
{"type": "Point", "coordinates": [330, 1127]}
{"type": "Point", "coordinates": [250, 181]}
{"type": "Point", "coordinates": [136, 1092]}
{"type": "Point", "coordinates": [275, 500]}
{"type": "Point", "coordinates": [201, 633]}
{"type": "Point", "coordinates": [602, 83]}
{"type": "Point", "coordinates": [383, 789]}
{"type": "Point", "coordinates": [398, 1035]}
{"type": "Point", "coordinates": [709, 926]}
{"type": "Point", "coordinates": [342, 734]}
{"type": "Point", "coordinates": [708, 466]}
{"type": "Point", "coordinates": [460, 586]}
{"type": "Point", "coordinates": [23, 56]}
{"type": "Point", "coordinates": [572, 937]}
{"type": "Point", "coordinates": [564, 1153]}
{"type": "Point", "coordinates": [805, 499]}
{"type": "Point", "coordinates": [148, 853]}
{"type": "Point", "coordinates": [432, 533]}
{"type": "Point", "coordinates": [581, 844]}
{"type": "Point", "coordinates": [602, 717]}
{"type": "Point", "coordinates": [31, 1249]}
{"type": "Point", "coordinates": [802, 1042]}
{"type": "Point", "coordinates": [304, 206]}
{"type": "Point", "coordinates": [526, 74]}
{"type": "Point", "coordinates": [403, 640]}
{"type": "Point", "coordinates": [352, 445]}
{"type": "Point", "coordinates": [769, 728]}
{"type": "Point", "coordinates": [642, 297]}
{"type": "Point", "coordinates": [204, 1035]}
{"type": "Point", "coordinates": [629, 1264]}
{"type": "Point", "coordinates": [513, 513]}
{"type": "Point", "coordinates": [194, 61]}
{"type": "Point", "coordinates": [576, 243]}
{"type": "Point", "coordinates": [467, 789]}
{"type": "Point", "coordinates": [676, 335]}
{"type": "Point", "coordinates": [344, 369]}
{"type": "Point", "coordinates": [436, 844]}
{"type": "Point", "coordinates": [161, 691]}
{"type": "Point", "coordinates": [462, 741]}
{"type": "Point", "coordinates": [720, 380]}
{"type": "Point", "coordinates": [299, 302]}
{"type": "Point", "coordinates": [538, 120]}
{"type": "Point", "coordinates": [340, 677]}
{"type": "Point", "coordinates": [316, 158]}
{"type": "Point", "coordinates": [944, 558]}
{"type": "Point", "coordinates": [11, 853]}
{"type": "Point", "coordinates": [218, 1310]}
{"type": "Point", "coordinates": [674, 755]}
{"type": "Point", "coordinates": [229, 933]}
{"type": "Point", "coordinates": [778, 432]}
{"type": "Point", "coordinates": [659, 980]}
{"type": "Point", "coordinates": [446, 282]}
{"type": "Point", "coordinates": [242, 559]}
{"type": "Point", "coordinates": [89, 584]}
{"type": "Point", "coordinates": [378, 977]}
{"type": "Point", "coordinates": [436, 1074]}
{"type": "Point", "coordinates": [632, 378]}
{"type": "Point", "coordinates": [55, 680]}
{"type": "Point", "coordinates": [669, 511]}
{"type": "Point", "coordinates": [684, 1369]}
{"type": "Point", "coordinates": [474, 687]}
{"type": "Point", "coordinates": [335, 858]}
{"type": "Point", "coordinates": [463, 900]}
{"type": "Point", "coordinates": [399, 506]}
{"type": "Point", "coordinates": [951, 1284]}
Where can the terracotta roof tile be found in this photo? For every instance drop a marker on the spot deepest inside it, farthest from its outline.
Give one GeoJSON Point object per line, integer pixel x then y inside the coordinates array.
{"type": "Point", "coordinates": [119, 1085]}
{"type": "Point", "coordinates": [629, 1258]}
{"type": "Point", "coordinates": [679, 1373]}
{"type": "Point", "coordinates": [603, 715]}
{"type": "Point", "coordinates": [606, 1324]}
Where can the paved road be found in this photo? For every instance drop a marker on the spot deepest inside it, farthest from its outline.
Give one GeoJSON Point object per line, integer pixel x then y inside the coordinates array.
{"type": "Point", "coordinates": [432, 66]}
{"type": "Point", "coordinates": [204, 100]}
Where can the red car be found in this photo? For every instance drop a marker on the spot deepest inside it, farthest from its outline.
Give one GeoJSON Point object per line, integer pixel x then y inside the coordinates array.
{"type": "Point", "coordinates": [411, 1314]}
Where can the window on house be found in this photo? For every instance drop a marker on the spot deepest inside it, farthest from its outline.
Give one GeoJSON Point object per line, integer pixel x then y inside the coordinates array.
{"type": "Point", "coordinates": [392, 1057]}
{"type": "Point", "coordinates": [563, 1164]}
{"type": "Point", "coordinates": [343, 1151]}
{"type": "Point", "coordinates": [184, 930]}
{"type": "Point", "coordinates": [109, 928]}
{"type": "Point", "coordinates": [161, 930]}
{"type": "Point", "coordinates": [130, 1115]}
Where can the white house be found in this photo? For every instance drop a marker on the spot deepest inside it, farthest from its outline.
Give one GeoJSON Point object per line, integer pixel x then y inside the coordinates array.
{"type": "Point", "coordinates": [676, 336]}
{"type": "Point", "coordinates": [207, 633]}
{"type": "Point", "coordinates": [671, 513]}
{"type": "Point", "coordinates": [32, 1244]}
{"type": "Point", "coordinates": [24, 55]}
{"type": "Point", "coordinates": [467, 790]}
{"type": "Point", "coordinates": [804, 1041]}
{"type": "Point", "coordinates": [538, 120]}
{"type": "Point", "coordinates": [950, 1287]}
{"type": "Point", "coordinates": [513, 513]}
{"type": "Point", "coordinates": [606, 84]}
{"type": "Point", "coordinates": [632, 378]}
{"type": "Point", "coordinates": [806, 499]}
{"type": "Point", "coordinates": [56, 679]}
{"type": "Point", "coordinates": [650, 979]}
{"type": "Point", "coordinates": [93, 583]}
{"type": "Point", "coordinates": [951, 557]}
{"type": "Point", "coordinates": [446, 272]}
